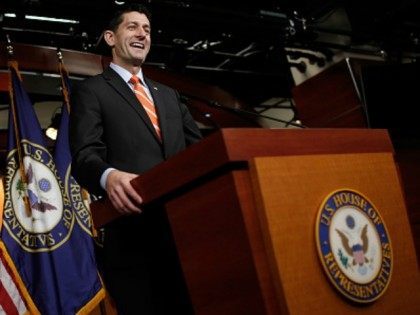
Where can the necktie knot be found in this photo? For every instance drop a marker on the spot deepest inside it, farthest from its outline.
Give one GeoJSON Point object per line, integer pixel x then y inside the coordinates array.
{"type": "Point", "coordinates": [134, 80]}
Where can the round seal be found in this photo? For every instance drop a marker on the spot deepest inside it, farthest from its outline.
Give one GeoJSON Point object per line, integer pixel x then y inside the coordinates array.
{"type": "Point", "coordinates": [354, 246]}
{"type": "Point", "coordinates": [37, 212]}
{"type": "Point", "coordinates": [46, 206]}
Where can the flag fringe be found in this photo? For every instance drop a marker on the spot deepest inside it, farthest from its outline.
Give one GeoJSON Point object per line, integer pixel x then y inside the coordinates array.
{"type": "Point", "coordinates": [94, 302]}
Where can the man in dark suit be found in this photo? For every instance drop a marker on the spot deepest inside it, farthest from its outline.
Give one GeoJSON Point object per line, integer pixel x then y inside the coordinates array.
{"type": "Point", "coordinates": [113, 138]}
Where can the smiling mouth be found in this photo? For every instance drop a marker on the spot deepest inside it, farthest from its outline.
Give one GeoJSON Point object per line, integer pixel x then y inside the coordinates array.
{"type": "Point", "coordinates": [137, 45]}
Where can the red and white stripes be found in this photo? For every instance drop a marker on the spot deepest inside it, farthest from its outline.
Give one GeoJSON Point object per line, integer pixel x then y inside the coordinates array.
{"type": "Point", "coordinates": [11, 301]}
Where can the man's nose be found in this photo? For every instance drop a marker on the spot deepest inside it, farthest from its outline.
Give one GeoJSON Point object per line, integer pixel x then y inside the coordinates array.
{"type": "Point", "coordinates": [140, 32]}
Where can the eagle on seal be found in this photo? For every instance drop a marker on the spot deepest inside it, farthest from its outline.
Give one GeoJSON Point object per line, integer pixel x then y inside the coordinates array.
{"type": "Point", "coordinates": [357, 251]}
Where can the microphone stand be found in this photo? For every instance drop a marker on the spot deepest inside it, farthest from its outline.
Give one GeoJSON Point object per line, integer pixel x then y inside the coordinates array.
{"type": "Point", "coordinates": [238, 111]}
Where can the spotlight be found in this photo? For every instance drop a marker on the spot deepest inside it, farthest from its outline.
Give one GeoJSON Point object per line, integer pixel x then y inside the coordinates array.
{"type": "Point", "coordinates": [52, 130]}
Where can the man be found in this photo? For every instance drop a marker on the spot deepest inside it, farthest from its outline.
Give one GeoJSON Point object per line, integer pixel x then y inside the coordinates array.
{"type": "Point", "coordinates": [121, 126]}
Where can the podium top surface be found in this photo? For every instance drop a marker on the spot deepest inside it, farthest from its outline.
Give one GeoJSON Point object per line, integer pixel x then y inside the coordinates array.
{"type": "Point", "coordinates": [239, 145]}
{"type": "Point", "coordinates": [232, 147]}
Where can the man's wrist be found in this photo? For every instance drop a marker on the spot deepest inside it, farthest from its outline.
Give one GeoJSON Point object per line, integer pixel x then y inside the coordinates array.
{"type": "Point", "coordinates": [104, 177]}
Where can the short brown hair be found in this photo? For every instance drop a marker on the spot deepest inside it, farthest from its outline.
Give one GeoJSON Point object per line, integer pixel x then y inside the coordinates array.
{"type": "Point", "coordinates": [117, 17]}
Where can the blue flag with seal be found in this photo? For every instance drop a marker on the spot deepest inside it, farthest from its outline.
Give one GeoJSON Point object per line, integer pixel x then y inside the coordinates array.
{"type": "Point", "coordinates": [52, 255]}
{"type": "Point", "coordinates": [62, 158]}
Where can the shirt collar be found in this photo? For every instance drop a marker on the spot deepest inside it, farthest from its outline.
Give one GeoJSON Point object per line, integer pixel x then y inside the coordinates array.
{"type": "Point", "coordinates": [125, 74]}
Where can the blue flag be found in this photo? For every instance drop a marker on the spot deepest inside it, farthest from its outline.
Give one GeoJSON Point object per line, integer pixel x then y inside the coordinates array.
{"type": "Point", "coordinates": [52, 254]}
{"type": "Point", "coordinates": [62, 158]}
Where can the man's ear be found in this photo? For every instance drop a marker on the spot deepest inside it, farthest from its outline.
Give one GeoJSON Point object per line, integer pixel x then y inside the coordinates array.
{"type": "Point", "coordinates": [109, 38]}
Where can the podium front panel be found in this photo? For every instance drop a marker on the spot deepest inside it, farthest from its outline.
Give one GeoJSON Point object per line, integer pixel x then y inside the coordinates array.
{"type": "Point", "coordinates": [289, 191]}
{"type": "Point", "coordinates": [215, 250]}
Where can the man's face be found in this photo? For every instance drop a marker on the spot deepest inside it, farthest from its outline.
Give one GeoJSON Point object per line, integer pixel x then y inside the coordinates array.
{"type": "Point", "coordinates": [131, 41]}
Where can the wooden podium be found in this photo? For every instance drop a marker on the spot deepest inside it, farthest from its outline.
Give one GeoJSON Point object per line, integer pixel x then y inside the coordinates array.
{"type": "Point", "coordinates": [243, 203]}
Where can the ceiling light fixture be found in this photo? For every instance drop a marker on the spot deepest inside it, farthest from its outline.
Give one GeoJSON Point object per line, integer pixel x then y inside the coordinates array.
{"type": "Point", "coordinates": [119, 2]}
{"type": "Point", "coordinates": [50, 19]}
{"type": "Point", "coordinates": [10, 15]}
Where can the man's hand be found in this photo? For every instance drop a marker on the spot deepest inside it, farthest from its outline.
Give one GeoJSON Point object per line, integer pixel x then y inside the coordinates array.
{"type": "Point", "coordinates": [123, 196]}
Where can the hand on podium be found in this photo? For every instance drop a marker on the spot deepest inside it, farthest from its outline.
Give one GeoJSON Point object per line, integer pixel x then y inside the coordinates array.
{"type": "Point", "coordinates": [121, 193]}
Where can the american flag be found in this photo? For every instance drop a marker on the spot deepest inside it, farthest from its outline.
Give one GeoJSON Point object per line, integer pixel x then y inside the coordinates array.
{"type": "Point", "coordinates": [11, 300]}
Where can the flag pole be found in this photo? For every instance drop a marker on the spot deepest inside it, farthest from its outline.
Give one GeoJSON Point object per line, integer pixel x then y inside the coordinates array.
{"type": "Point", "coordinates": [63, 71]}
{"type": "Point", "coordinates": [13, 64]}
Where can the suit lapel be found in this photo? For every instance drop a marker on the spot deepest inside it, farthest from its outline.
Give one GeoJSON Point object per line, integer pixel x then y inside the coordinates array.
{"type": "Point", "coordinates": [122, 88]}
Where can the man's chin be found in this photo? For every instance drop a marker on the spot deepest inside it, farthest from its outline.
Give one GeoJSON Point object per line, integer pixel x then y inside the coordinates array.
{"type": "Point", "coordinates": [138, 61]}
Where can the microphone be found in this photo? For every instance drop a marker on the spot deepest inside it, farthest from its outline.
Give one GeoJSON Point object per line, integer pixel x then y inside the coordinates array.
{"type": "Point", "coordinates": [240, 111]}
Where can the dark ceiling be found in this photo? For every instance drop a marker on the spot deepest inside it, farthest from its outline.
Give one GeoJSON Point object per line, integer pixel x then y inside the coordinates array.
{"type": "Point", "coordinates": [230, 41]}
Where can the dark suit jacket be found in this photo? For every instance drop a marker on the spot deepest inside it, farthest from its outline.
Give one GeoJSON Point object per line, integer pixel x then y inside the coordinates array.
{"type": "Point", "coordinates": [109, 128]}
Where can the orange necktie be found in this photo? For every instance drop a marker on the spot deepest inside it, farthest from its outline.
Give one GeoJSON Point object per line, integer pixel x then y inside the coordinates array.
{"type": "Point", "coordinates": [147, 104]}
